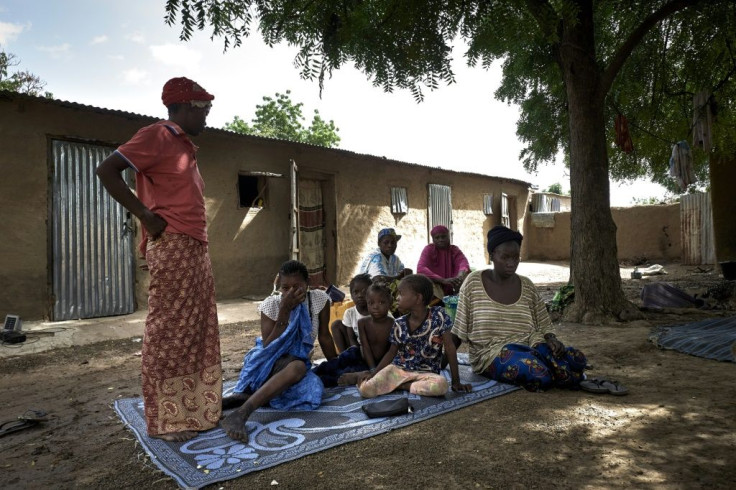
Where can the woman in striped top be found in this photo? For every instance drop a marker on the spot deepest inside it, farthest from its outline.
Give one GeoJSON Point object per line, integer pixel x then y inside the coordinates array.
{"type": "Point", "coordinates": [505, 323]}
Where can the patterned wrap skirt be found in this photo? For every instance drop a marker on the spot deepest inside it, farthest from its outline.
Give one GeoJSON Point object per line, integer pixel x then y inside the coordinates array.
{"type": "Point", "coordinates": [181, 370]}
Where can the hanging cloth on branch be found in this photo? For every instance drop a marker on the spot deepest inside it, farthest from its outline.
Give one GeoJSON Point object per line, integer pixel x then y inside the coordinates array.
{"type": "Point", "coordinates": [702, 121]}
{"type": "Point", "coordinates": [681, 165]}
{"type": "Point", "coordinates": [623, 137]}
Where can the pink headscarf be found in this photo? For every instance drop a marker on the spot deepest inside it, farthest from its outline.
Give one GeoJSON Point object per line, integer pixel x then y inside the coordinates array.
{"type": "Point", "coordinates": [439, 229]}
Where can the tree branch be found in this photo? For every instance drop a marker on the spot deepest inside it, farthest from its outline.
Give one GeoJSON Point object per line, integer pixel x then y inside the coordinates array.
{"type": "Point", "coordinates": [624, 51]}
{"type": "Point", "coordinates": [542, 11]}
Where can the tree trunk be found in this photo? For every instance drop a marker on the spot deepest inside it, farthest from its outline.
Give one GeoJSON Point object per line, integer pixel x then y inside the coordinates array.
{"type": "Point", "coordinates": [722, 180]}
{"type": "Point", "coordinates": [593, 252]}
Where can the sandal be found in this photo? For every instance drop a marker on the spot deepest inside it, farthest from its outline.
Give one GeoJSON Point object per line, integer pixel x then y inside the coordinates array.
{"type": "Point", "coordinates": [596, 385]}
{"type": "Point", "coordinates": [614, 388]}
{"type": "Point", "coordinates": [593, 385]}
{"type": "Point", "coordinates": [29, 419]}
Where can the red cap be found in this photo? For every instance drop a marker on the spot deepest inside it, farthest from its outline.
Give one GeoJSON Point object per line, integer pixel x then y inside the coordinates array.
{"type": "Point", "coordinates": [178, 90]}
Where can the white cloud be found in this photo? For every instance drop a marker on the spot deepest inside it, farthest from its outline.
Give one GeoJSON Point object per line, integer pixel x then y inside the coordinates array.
{"type": "Point", "coordinates": [116, 57]}
{"type": "Point", "coordinates": [57, 51]}
{"type": "Point", "coordinates": [136, 37]}
{"type": "Point", "coordinates": [9, 32]}
{"type": "Point", "coordinates": [99, 39]}
{"type": "Point", "coordinates": [177, 55]}
{"type": "Point", "coordinates": [135, 76]}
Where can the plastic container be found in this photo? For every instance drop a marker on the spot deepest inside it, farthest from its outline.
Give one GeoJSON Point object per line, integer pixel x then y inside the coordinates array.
{"type": "Point", "coordinates": [335, 294]}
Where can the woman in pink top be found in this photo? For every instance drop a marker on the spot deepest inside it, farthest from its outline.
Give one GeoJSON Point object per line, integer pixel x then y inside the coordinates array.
{"type": "Point", "coordinates": [443, 263]}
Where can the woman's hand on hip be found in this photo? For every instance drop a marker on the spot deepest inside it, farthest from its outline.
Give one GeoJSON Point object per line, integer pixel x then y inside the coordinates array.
{"type": "Point", "coordinates": [153, 223]}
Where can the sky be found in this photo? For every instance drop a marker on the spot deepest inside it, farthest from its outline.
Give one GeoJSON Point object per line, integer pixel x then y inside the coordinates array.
{"type": "Point", "coordinates": [118, 54]}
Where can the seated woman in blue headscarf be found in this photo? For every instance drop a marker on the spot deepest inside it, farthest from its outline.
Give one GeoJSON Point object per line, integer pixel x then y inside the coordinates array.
{"type": "Point", "coordinates": [277, 371]}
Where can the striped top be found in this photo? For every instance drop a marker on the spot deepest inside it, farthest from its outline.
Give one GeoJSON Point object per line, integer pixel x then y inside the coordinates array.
{"type": "Point", "coordinates": [487, 325]}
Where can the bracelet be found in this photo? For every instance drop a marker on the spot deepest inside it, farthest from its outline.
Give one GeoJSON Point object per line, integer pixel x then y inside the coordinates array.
{"type": "Point", "coordinates": [372, 370]}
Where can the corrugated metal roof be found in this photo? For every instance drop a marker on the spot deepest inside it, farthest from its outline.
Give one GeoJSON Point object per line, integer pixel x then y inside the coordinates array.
{"type": "Point", "coordinates": [4, 94]}
{"type": "Point", "coordinates": [696, 229]}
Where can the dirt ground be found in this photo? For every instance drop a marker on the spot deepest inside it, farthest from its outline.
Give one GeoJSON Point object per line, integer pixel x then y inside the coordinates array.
{"type": "Point", "coordinates": [676, 428]}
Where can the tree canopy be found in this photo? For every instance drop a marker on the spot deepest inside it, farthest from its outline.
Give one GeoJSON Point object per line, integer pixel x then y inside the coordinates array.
{"type": "Point", "coordinates": [570, 65]}
{"type": "Point", "coordinates": [408, 44]}
{"type": "Point", "coordinates": [23, 81]}
{"type": "Point", "coordinates": [281, 118]}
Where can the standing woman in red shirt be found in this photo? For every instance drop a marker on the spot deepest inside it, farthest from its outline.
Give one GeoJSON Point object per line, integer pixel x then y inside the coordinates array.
{"type": "Point", "coordinates": [181, 370]}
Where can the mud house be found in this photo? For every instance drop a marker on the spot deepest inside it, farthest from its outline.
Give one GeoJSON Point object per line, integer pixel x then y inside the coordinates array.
{"type": "Point", "coordinates": [70, 252]}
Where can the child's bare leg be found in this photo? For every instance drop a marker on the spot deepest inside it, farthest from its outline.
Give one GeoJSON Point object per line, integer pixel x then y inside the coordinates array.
{"type": "Point", "coordinates": [340, 335]}
{"type": "Point", "coordinates": [234, 423]}
{"type": "Point", "coordinates": [234, 400]}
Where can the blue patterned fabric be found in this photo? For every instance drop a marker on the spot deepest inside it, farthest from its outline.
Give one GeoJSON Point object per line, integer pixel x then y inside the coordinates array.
{"type": "Point", "coordinates": [258, 363]}
{"type": "Point", "coordinates": [276, 437]}
{"type": "Point", "coordinates": [376, 264]}
{"type": "Point", "coordinates": [536, 369]}
{"type": "Point", "coordinates": [712, 339]}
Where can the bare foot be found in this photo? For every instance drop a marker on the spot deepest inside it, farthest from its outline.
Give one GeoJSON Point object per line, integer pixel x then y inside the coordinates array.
{"type": "Point", "coordinates": [348, 379]}
{"type": "Point", "coordinates": [234, 423]}
{"type": "Point", "coordinates": [177, 436]}
{"type": "Point", "coordinates": [233, 401]}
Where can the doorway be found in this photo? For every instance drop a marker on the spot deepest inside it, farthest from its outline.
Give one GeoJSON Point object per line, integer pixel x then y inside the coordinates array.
{"type": "Point", "coordinates": [92, 261]}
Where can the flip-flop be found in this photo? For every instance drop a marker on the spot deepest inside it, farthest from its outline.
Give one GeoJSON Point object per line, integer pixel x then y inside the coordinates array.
{"type": "Point", "coordinates": [29, 419]}
{"type": "Point", "coordinates": [614, 387]}
{"type": "Point", "coordinates": [600, 386]}
{"type": "Point", "coordinates": [593, 385]}
{"type": "Point", "coordinates": [15, 425]}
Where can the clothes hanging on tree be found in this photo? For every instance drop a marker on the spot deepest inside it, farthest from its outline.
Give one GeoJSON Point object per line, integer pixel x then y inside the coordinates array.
{"type": "Point", "coordinates": [681, 165]}
{"type": "Point", "coordinates": [702, 121]}
{"type": "Point", "coordinates": [623, 137]}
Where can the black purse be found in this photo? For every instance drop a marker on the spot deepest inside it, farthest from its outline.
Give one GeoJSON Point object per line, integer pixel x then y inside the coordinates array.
{"type": "Point", "coordinates": [387, 408]}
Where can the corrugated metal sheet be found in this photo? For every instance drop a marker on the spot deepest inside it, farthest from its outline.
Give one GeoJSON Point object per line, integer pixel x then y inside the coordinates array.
{"type": "Point", "coordinates": [505, 218]}
{"type": "Point", "coordinates": [399, 200]}
{"type": "Point", "coordinates": [488, 204]}
{"type": "Point", "coordinates": [440, 206]}
{"type": "Point", "coordinates": [696, 229]}
{"type": "Point", "coordinates": [93, 262]}
{"type": "Point", "coordinates": [542, 203]}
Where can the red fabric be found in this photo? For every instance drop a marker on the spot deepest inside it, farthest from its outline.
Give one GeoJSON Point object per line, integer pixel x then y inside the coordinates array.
{"type": "Point", "coordinates": [311, 219]}
{"type": "Point", "coordinates": [439, 263]}
{"type": "Point", "coordinates": [180, 360]}
{"type": "Point", "coordinates": [623, 137]}
{"type": "Point", "coordinates": [167, 178]}
{"type": "Point", "coordinates": [178, 90]}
